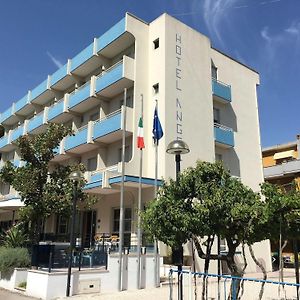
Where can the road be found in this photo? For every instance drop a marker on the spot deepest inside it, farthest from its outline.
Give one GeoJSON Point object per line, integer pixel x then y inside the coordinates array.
{"type": "Point", "coordinates": [7, 295]}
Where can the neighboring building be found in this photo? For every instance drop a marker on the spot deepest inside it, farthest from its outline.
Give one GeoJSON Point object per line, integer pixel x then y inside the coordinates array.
{"type": "Point", "coordinates": [282, 167]}
{"type": "Point", "coordinates": [204, 97]}
{"type": "Point", "coordinates": [282, 164]}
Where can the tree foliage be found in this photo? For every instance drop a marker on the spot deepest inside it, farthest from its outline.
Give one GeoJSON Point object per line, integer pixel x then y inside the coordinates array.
{"type": "Point", "coordinates": [43, 189]}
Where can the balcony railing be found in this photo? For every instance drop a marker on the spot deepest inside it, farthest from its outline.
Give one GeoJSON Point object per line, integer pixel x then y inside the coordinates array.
{"type": "Point", "coordinates": [17, 133]}
{"type": "Point", "coordinates": [285, 168]}
{"type": "Point", "coordinates": [223, 135]}
{"type": "Point", "coordinates": [56, 109]}
{"type": "Point", "coordinates": [111, 35]}
{"type": "Point", "coordinates": [221, 91]}
{"type": "Point", "coordinates": [82, 57]}
{"type": "Point", "coordinates": [79, 95]}
{"type": "Point", "coordinates": [59, 74]}
{"type": "Point", "coordinates": [36, 121]}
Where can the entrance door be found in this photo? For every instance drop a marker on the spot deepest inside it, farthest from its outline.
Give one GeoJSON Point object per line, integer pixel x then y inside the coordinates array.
{"type": "Point", "coordinates": [88, 228]}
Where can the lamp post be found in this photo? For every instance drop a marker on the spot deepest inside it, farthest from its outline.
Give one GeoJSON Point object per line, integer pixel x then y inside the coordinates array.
{"type": "Point", "coordinates": [178, 147]}
{"type": "Point", "coordinates": [75, 177]}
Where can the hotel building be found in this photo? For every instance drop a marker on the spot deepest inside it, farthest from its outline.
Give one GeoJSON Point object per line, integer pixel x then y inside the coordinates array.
{"type": "Point", "coordinates": [204, 96]}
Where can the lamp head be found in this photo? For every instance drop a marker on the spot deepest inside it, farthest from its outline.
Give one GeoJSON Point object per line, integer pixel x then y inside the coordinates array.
{"type": "Point", "coordinates": [178, 147]}
{"type": "Point", "coordinates": [76, 176]}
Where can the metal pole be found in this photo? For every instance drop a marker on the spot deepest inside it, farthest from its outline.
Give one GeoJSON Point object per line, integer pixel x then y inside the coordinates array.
{"type": "Point", "coordinates": [72, 230]}
{"type": "Point", "coordinates": [219, 267]}
{"type": "Point", "coordinates": [179, 268]}
{"type": "Point", "coordinates": [139, 237]}
{"type": "Point", "coordinates": [121, 225]}
{"type": "Point", "coordinates": [296, 259]}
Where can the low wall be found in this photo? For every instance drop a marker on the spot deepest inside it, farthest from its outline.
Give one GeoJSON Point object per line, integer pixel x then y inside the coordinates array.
{"type": "Point", "coordinates": [11, 280]}
{"type": "Point", "coordinates": [49, 286]}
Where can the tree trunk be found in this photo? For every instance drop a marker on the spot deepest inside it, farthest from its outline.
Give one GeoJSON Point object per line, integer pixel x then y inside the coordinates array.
{"type": "Point", "coordinates": [210, 241]}
{"type": "Point", "coordinates": [244, 268]}
{"type": "Point", "coordinates": [260, 265]}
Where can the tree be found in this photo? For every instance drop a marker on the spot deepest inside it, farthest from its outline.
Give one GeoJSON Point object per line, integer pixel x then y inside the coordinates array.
{"type": "Point", "coordinates": [44, 191]}
{"type": "Point", "coordinates": [206, 202]}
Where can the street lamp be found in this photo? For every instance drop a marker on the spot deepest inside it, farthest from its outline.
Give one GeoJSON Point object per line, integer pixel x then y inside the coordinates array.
{"type": "Point", "coordinates": [75, 177]}
{"type": "Point", "coordinates": [178, 147]}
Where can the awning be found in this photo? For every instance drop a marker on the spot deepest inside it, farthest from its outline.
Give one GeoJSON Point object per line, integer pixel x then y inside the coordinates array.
{"type": "Point", "coordinates": [284, 154]}
{"type": "Point", "coordinates": [11, 204]}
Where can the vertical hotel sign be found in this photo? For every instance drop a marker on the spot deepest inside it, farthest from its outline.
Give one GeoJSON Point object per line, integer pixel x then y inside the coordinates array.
{"type": "Point", "coordinates": [178, 84]}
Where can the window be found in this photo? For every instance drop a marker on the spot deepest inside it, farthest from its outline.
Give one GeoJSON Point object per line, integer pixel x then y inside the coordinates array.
{"type": "Point", "coordinates": [92, 164]}
{"type": "Point", "coordinates": [127, 220]}
{"type": "Point", "coordinates": [216, 115]}
{"type": "Point", "coordinates": [127, 154]}
{"type": "Point", "coordinates": [129, 101]}
{"type": "Point", "coordinates": [62, 225]}
{"type": "Point", "coordinates": [156, 88]}
{"type": "Point", "coordinates": [214, 71]}
{"type": "Point", "coordinates": [156, 43]}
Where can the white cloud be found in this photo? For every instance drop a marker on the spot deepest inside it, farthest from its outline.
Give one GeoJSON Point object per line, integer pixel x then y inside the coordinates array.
{"type": "Point", "coordinates": [265, 34]}
{"type": "Point", "coordinates": [294, 28]}
{"type": "Point", "coordinates": [214, 13]}
{"type": "Point", "coordinates": [54, 60]}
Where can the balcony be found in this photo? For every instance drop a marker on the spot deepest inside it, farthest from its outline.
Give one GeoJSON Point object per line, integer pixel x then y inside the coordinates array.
{"type": "Point", "coordinates": [19, 131]}
{"type": "Point", "coordinates": [62, 79]}
{"type": "Point", "coordinates": [78, 143]}
{"type": "Point", "coordinates": [85, 61]}
{"type": "Point", "coordinates": [5, 144]}
{"type": "Point", "coordinates": [223, 136]}
{"type": "Point", "coordinates": [23, 105]}
{"type": "Point", "coordinates": [109, 129]}
{"type": "Point", "coordinates": [116, 78]}
{"type": "Point", "coordinates": [221, 91]}
{"type": "Point", "coordinates": [37, 123]}
{"type": "Point", "coordinates": [58, 112]}
{"type": "Point", "coordinates": [83, 98]}
{"type": "Point", "coordinates": [8, 117]}
{"type": "Point", "coordinates": [285, 169]}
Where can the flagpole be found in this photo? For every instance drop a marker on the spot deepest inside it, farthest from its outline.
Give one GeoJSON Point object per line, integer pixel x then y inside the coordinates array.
{"type": "Point", "coordinates": [139, 237]}
{"type": "Point", "coordinates": [121, 223]}
{"type": "Point", "coordinates": [156, 276]}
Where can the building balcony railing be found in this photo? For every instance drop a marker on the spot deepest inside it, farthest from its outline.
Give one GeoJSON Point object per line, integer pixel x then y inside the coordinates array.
{"type": "Point", "coordinates": [82, 57]}
{"type": "Point", "coordinates": [40, 89]}
{"type": "Point", "coordinates": [19, 131]}
{"type": "Point", "coordinates": [112, 34]}
{"type": "Point", "coordinates": [59, 74]}
{"type": "Point", "coordinates": [22, 103]}
{"type": "Point", "coordinates": [4, 141]}
{"type": "Point", "coordinates": [113, 80]}
{"type": "Point", "coordinates": [79, 95]}
{"type": "Point", "coordinates": [56, 109]}
{"type": "Point", "coordinates": [284, 169]}
{"type": "Point", "coordinates": [80, 138]}
{"type": "Point", "coordinates": [223, 136]}
{"type": "Point", "coordinates": [221, 91]}
{"type": "Point", "coordinates": [7, 114]}
{"type": "Point", "coordinates": [37, 121]}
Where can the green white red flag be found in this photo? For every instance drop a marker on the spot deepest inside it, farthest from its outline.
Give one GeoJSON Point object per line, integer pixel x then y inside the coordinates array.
{"type": "Point", "coordinates": [140, 135]}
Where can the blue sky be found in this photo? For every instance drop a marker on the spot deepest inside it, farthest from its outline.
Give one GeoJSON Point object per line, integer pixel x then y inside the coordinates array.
{"type": "Point", "coordinates": [36, 37]}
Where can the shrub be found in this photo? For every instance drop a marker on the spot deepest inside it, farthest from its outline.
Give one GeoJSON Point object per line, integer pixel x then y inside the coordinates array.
{"type": "Point", "coordinates": [22, 285]}
{"type": "Point", "coordinates": [11, 258]}
{"type": "Point", "coordinates": [14, 237]}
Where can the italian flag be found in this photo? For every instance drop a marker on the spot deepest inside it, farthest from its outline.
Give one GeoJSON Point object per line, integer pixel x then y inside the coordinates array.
{"type": "Point", "coordinates": [140, 135]}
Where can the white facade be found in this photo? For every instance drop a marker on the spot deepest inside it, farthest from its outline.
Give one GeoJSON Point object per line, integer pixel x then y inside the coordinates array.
{"type": "Point", "coordinates": [165, 61]}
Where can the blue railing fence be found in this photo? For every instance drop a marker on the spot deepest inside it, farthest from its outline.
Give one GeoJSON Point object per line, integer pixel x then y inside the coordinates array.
{"type": "Point", "coordinates": [224, 287]}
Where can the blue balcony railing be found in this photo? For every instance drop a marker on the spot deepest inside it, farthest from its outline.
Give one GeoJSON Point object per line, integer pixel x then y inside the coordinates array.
{"type": "Point", "coordinates": [110, 124]}
{"type": "Point", "coordinates": [224, 135]}
{"type": "Point", "coordinates": [3, 141]}
{"type": "Point", "coordinates": [40, 89]}
{"type": "Point", "coordinates": [17, 133]}
{"type": "Point", "coordinates": [59, 74]}
{"type": "Point", "coordinates": [36, 121]}
{"type": "Point", "coordinates": [110, 35]}
{"type": "Point", "coordinates": [95, 180]}
{"type": "Point", "coordinates": [82, 57]}
{"type": "Point", "coordinates": [80, 95]}
{"type": "Point", "coordinates": [110, 76]}
{"type": "Point", "coordinates": [7, 114]}
{"type": "Point", "coordinates": [80, 138]}
{"type": "Point", "coordinates": [21, 103]}
{"type": "Point", "coordinates": [221, 90]}
{"type": "Point", "coordinates": [56, 110]}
